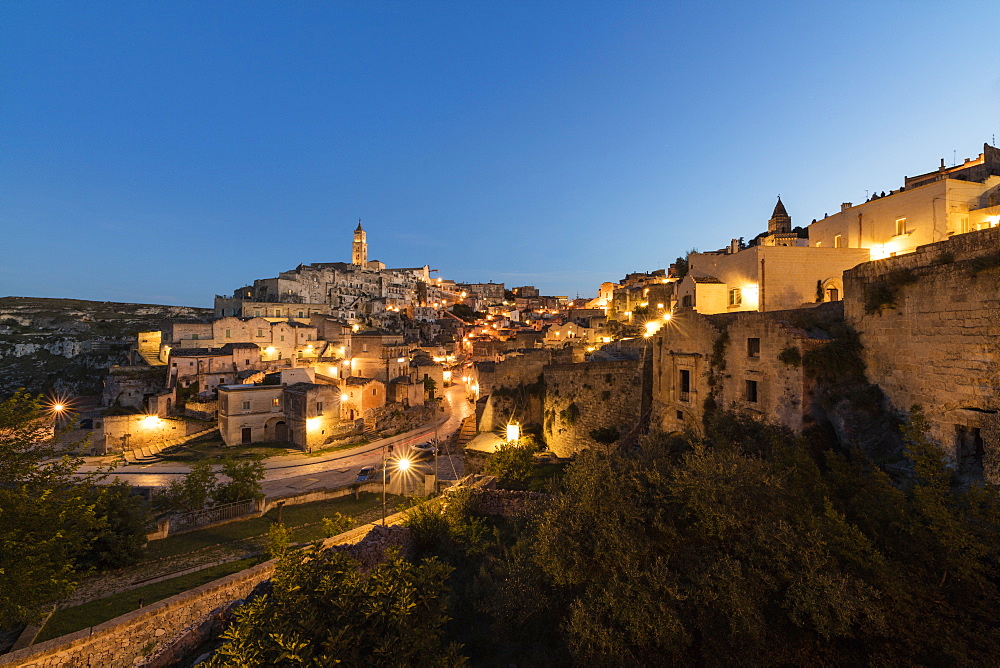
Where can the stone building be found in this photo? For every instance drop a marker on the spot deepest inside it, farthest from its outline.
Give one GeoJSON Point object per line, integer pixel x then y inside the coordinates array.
{"type": "Point", "coordinates": [750, 363]}
{"type": "Point", "coordinates": [780, 272]}
{"type": "Point", "coordinates": [209, 368]}
{"type": "Point", "coordinates": [380, 355]}
{"type": "Point", "coordinates": [306, 415]}
{"type": "Point", "coordinates": [929, 322]}
{"type": "Point", "coordinates": [361, 396]}
{"type": "Point", "coordinates": [928, 208]}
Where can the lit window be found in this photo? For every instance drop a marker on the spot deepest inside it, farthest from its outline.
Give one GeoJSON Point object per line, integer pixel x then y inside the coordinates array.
{"type": "Point", "coordinates": [735, 297]}
{"type": "Point", "coordinates": [900, 226]}
{"type": "Point", "coordinates": [276, 402]}
{"type": "Point", "coordinates": [838, 241]}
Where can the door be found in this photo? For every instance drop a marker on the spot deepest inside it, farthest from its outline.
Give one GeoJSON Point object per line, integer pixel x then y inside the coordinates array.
{"type": "Point", "coordinates": [246, 435]}
{"type": "Point", "coordinates": [281, 432]}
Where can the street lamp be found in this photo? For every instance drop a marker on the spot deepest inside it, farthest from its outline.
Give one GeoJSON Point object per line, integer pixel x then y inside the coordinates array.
{"type": "Point", "coordinates": [402, 465]}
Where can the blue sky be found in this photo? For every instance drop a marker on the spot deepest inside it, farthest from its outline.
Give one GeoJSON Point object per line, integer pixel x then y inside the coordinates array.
{"type": "Point", "coordinates": [167, 151]}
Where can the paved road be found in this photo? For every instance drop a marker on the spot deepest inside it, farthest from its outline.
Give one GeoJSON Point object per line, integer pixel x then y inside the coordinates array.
{"type": "Point", "coordinates": [288, 474]}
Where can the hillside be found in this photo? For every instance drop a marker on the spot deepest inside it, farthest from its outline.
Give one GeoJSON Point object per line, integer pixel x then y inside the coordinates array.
{"type": "Point", "coordinates": [65, 345]}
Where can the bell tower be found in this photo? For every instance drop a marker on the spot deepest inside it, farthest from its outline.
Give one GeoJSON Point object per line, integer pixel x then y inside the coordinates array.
{"type": "Point", "coordinates": [359, 249]}
{"type": "Point", "coordinates": [780, 220]}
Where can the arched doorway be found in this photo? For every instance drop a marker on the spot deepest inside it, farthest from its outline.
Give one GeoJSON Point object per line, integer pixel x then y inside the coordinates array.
{"type": "Point", "coordinates": [281, 431]}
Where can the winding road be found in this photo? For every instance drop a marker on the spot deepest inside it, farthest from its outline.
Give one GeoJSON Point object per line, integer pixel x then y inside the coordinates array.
{"type": "Point", "coordinates": [292, 473]}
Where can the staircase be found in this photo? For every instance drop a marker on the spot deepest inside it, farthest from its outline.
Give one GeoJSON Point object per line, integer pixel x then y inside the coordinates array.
{"type": "Point", "coordinates": [149, 454]}
{"type": "Point", "coordinates": [467, 431]}
{"type": "Point", "coordinates": [151, 357]}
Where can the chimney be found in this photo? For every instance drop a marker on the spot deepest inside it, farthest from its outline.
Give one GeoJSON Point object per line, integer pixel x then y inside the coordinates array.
{"type": "Point", "coordinates": [845, 206]}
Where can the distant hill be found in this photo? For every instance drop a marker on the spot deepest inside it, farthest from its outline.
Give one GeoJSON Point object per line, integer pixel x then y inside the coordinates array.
{"type": "Point", "coordinates": [66, 345]}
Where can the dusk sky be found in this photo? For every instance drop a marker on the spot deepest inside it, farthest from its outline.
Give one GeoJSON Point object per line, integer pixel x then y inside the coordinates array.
{"type": "Point", "coordinates": [165, 152]}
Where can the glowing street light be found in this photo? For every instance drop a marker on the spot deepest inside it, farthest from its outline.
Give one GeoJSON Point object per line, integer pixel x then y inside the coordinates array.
{"type": "Point", "coordinates": [513, 432]}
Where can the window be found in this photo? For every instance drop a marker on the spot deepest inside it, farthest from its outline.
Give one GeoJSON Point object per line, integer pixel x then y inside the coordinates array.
{"type": "Point", "coordinates": [248, 362]}
{"type": "Point", "coordinates": [900, 226]}
{"type": "Point", "coordinates": [364, 347]}
{"type": "Point", "coordinates": [246, 405]}
{"type": "Point", "coordinates": [256, 313]}
{"type": "Point", "coordinates": [282, 337]}
{"type": "Point", "coordinates": [228, 335]}
{"type": "Point", "coordinates": [833, 294]}
{"type": "Point", "coordinates": [276, 402]}
{"type": "Point", "coordinates": [374, 391]}
{"type": "Point", "coordinates": [300, 314]}
{"type": "Point", "coordinates": [319, 408]}
{"type": "Point", "coordinates": [963, 224]}
{"type": "Point", "coordinates": [753, 347]}
{"type": "Point", "coordinates": [969, 451]}
{"type": "Point", "coordinates": [685, 385]}
{"type": "Point", "coordinates": [735, 297]}
{"type": "Point", "coordinates": [260, 332]}
{"type": "Point", "coordinates": [751, 391]}
{"type": "Point", "coordinates": [194, 337]}
{"type": "Point", "coordinates": [686, 300]}
{"type": "Point", "coordinates": [838, 241]}
{"type": "Point", "coordinates": [818, 244]}
{"type": "Point", "coordinates": [680, 415]}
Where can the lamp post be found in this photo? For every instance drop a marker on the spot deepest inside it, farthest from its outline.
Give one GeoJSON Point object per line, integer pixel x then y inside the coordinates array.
{"type": "Point", "coordinates": [402, 465]}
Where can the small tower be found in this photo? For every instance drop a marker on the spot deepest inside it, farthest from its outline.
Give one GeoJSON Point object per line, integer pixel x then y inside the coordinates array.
{"type": "Point", "coordinates": [359, 249]}
{"type": "Point", "coordinates": [780, 220]}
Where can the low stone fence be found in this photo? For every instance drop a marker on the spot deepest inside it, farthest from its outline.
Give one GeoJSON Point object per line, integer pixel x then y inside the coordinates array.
{"type": "Point", "coordinates": [163, 633]}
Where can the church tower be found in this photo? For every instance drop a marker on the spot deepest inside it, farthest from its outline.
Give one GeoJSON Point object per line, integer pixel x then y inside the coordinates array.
{"type": "Point", "coordinates": [780, 220]}
{"type": "Point", "coordinates": [359, 249]}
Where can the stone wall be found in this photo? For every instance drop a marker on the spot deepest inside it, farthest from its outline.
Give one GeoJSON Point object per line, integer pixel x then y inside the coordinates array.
{"type": "Point", "coordinates": [141, 431]}
{"type": "Point", "coordinates": [591, 395]}
{"type": "Point", "coordinates": [934, 340]}
{"type": "Point", "coordinates": [144, 637]}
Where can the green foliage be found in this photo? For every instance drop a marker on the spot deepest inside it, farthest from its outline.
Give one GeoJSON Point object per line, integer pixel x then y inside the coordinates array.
{"type": "Point", "coordinates": [819, 291]}
{"type": "Point", "coordinates": [883, 292]}
{"type": "Point", "coordinates": [570, 414]}
{"type": "Point", "coordinates": [120, 540]}
{"type": "Point", "coordinates": [47, 513]}
{"type": "Point", "coordinates": [194, 491]}
{"type": "Point", "coordinates": [336, 524]}
{"type": "Point", "coordinates": [512, 462]}
{"type": "Point", "coordinates": [245, 476]}
{"type": "Point", "coordinates": [836, 361]}
{"type": "Point", "coordinates": [660, 556]}
{"type": "Point", "coordinates": [322, 610]}
{"type": "Point", "coordinates": [718, 358]}
{"type": "Point", "coordinates": [279, 540]}
{"type": "Point", "coordinates": [790, 356]}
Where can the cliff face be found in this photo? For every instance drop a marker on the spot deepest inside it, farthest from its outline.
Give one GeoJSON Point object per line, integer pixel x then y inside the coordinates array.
{"type": "Point", "coordinates": [67, 345]}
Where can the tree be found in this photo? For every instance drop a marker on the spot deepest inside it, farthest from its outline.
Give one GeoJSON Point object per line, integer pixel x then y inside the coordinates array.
{"type": "Point", "coordinates": [194, 490]}
{"type": "Point", "coordinates": [47, 515]}
{"type": "Point", "coordinates": [429, 386]}
{"type": "Point", "coordinates": [745, 548]}
{"type": "Point", "coordinates": [322, 610]}
{"type": "Point", "coordinates": [245, 476]}
{"type": "Point", "coordinates": [121, 538]}
{"type": "Point", "coordinates": [513, 462]}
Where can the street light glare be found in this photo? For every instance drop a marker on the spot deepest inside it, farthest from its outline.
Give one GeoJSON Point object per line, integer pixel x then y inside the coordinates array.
{"type": "Point", "coordinates": [58, 408]}
{"type": "Point", "coordinates": [403, 465]}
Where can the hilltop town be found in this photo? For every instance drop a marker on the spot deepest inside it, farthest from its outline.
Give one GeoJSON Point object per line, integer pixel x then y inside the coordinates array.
{"type": "Point", "coordinates": [839, 331]}
{"type": "Point", "coordinates": [740, 327]}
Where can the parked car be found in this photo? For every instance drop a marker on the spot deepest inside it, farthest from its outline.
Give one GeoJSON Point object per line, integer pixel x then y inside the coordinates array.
{"type": "Point", "coordinates": [367, 473]}
{"type": "Point", "coordinates": [422, 451]}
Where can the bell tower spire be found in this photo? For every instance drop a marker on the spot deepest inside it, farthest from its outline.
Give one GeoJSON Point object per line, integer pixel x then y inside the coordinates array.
{"type": "Point", "coordinates": [359, 249]}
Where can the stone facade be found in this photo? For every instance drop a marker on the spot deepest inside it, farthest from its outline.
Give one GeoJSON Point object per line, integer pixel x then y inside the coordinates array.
{"type": "Point", "coordinates": [592, 395]}
{"type": "Point", "coordinates": [749, 363]}
{"type": "Point", "coordinates": [930, 325]}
